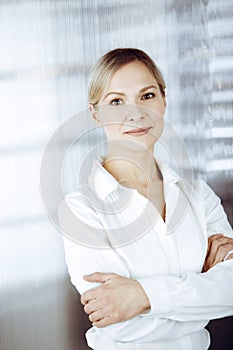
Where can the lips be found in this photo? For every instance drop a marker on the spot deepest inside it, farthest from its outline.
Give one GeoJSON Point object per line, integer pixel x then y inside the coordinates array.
{"type": "Point", "coordinates": [138, 132]}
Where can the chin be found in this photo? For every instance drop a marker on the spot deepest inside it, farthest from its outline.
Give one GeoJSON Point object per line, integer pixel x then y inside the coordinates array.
{"type": "Point", "coordinates": [123, 144]}
{"type": "Point", "coordinates": [139, 146]}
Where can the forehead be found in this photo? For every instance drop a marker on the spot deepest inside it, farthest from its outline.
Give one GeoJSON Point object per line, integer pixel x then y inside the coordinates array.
{"type": "Point", "coordinates": [132, 74]}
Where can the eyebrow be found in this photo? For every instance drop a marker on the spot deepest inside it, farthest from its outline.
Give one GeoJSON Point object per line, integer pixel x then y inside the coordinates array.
{"type": "Point", "coordinates": [122, 94]}
{"type": "Point", "coordinates": [148, 87]}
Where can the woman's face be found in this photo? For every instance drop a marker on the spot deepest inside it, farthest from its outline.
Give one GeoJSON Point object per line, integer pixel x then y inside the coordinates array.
{"type": "Point", "coordinates": [132, 106]}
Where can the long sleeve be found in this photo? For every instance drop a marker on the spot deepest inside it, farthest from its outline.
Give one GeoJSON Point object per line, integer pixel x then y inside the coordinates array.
{"type": "Point", "coordinates": [196, 296]}
{"type": "Point", "coordinates": [192, 297]}
{"type": "Point", "coordinates": [166, 292]}
{"type": "Point", "coordinates": [83, 260]}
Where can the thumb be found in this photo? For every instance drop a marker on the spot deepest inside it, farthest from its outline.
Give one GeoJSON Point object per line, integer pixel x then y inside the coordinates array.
{"type": "Point", "coordinates": [99, 277]}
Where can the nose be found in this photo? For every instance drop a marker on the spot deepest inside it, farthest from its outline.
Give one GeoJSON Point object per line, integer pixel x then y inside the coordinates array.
{"type": "Point", "coordinates": [134, 114]}
{"type": "Point", "coordinates": [134, 117]}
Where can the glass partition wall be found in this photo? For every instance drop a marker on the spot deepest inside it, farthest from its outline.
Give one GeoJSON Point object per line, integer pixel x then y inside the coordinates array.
{"type": "Point", "coordinates": [46, 51]}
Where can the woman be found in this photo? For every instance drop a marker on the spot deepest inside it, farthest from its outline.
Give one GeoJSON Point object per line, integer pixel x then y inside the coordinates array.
{"type": "Point", "coordinates": [158, 289]}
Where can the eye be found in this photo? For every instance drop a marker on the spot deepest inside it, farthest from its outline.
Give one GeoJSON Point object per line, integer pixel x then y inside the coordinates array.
{"type": "Point", "coordinates": [116, 102]}
{"type": "Point", "coordinates": [148, 96]}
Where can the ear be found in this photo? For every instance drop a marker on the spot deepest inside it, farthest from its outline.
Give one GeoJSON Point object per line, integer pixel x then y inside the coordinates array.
{"type": "Point", "coordinates": [93, 112]}
{"type": "Point", "coordinates": [164, 101]}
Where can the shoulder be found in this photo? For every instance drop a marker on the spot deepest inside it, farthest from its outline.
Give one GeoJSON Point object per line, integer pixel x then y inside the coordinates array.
{"type": "Point", "coordinates": [82, 200]}
{"type": "Point", "coordinates": [79, 219]}
{"type": "Point", "coordinates": [208, 207]}
{"type": "Point", "coordinates": [201, 197]}
{"type": "Point", "coordinates": [82, 203]}
{"type": "Point", "coordinates": [206, 193]}
{"type": "Point", "coordinates": [198, 189]}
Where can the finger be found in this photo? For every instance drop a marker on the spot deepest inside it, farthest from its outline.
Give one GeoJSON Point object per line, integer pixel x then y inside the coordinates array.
{"type": "Point", "coordinates": [215, 236]}
{"type": "Point", "coordinates": [96, 316]}
{"type": "Point", "coordinates": [205, 268]}
{"type": "Point", "coordinates": [211, 239]}
{"type": "Point", "coordinates": [226, 249]}
{"type": "Point", "coordinates": [219, 238]}
{"type": "Point", "coordinates": [90, 294]}
{"type": "Point", "coordinates": [93, 306]}
{"type": "Point", "coordinates": [106, 321]}
{"type": "Point", "coordinates": [99, 277]}
{"type": "Point", "coordinates": [221, 253]}
{"type": "Point", "coordinates": [219, 249]}
{"type": "Point", "coordinates": [212, 251]}
{"type": "Point", "coordinates": [217, 242]}
{"type": "Point", "coordinates": [214, 242]}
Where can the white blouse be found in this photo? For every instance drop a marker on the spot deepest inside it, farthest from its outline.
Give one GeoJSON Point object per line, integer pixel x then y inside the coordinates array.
{"type": "Point", "coordinates": [115, 233]}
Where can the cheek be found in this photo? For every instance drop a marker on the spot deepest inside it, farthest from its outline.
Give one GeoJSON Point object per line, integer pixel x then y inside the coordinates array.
{"type": "Point", "coordinates": [158, 125]}
{"type": "Point", "coordinates": [161, 107]}
{"type": "Point", "coordinates": [156, 115]}
{"type": "Point", "coordinates": [112, 131]}
{"type": "Point", "coordinates": [157, 108]}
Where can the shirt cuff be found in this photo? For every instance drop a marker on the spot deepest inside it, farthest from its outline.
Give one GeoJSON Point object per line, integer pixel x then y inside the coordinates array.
{"type": "Point", "coordinates": [159, 295]}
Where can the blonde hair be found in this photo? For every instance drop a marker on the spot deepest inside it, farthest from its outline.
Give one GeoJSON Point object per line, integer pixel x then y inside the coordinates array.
{"type": "Point", "coordinates": [109, 64]}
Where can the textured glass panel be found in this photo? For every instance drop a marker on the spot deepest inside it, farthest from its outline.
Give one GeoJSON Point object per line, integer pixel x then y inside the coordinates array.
{"type": "Point", "coordinates": [220, 138]}
{"type": "Point", "coordinates": [46, 51]}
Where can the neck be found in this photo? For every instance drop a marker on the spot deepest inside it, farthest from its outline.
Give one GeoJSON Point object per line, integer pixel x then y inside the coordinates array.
{"type": "Point", "coordinates": [134, 169]}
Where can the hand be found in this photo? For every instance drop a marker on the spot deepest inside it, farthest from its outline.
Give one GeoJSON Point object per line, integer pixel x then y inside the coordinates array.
{"type": "Point", "coordinates": [117, 299]}
{"type": "Point", "coordinates": [218, 247]}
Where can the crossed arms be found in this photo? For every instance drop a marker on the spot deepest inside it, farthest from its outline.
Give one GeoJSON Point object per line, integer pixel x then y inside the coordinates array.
{"type": "Point", "coordinates": [119, 298]}
{"type": "Point", "coordinates": [131, 309]}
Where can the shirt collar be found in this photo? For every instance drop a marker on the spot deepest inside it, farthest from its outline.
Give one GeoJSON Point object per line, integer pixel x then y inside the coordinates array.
{"type": "Point", "coordinates": [103, 183]}
{"type": "Point", "coordinates": [170, 176]}
{"type": "Point", "coordinates": [100, 180]}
